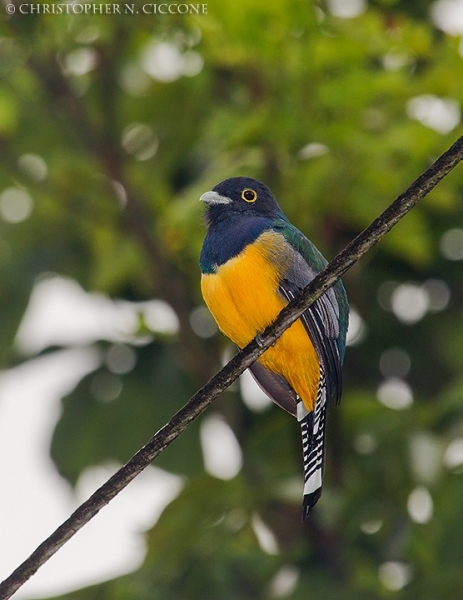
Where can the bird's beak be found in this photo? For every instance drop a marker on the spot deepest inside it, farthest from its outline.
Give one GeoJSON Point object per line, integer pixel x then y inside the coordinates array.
{"type": "Point", "coordinates": [212, 198]}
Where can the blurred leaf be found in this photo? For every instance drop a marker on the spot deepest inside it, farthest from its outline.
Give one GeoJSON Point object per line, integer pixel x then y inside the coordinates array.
{"type": "Point", "coordinates": [97, 427]}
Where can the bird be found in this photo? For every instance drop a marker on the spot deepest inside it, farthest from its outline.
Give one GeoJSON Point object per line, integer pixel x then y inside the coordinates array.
{"type": "Point", "coordinates": [253, 262]}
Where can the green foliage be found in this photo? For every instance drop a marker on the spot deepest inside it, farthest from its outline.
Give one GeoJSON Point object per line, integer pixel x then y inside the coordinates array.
{"type": "Point", "coordinates": [316, 106]}
{"type": "Point", "coordinates": [85, 435]}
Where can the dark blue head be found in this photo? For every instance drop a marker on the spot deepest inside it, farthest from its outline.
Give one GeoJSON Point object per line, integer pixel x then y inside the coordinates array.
{"type": "Point", "coordinates": [239, 197]}
{"type": "Point", "coordinates": [238, 211]}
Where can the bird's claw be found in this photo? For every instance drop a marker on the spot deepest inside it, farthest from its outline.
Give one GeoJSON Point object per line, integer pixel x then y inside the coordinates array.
{"type": "Point", "coordinates": [259, 340]}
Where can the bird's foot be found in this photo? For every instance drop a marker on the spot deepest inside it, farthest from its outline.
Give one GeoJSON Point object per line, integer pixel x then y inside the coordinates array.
{"type": "Point", "coordinates": [260, 340]}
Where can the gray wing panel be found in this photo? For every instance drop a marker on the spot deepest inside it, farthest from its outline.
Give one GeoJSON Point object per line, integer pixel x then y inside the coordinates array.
{"type": "Point", "coordinates": [276, 387]}
{"type": "Point", "coordinates": [320, 320]}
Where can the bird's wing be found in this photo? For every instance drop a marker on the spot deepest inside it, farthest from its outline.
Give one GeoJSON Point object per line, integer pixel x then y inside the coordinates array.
{"type": "Point", "coordinates": [321, 321]}
{"type": "Point", "coordinates": [325, 321]}
{"type": "Point", "coordinates": [326, 324]}
{"type": "Point", "coordinates": [276, 387]}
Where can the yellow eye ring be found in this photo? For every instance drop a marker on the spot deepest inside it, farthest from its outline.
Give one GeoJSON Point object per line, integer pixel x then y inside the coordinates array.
{"type": "Point", "coordinates": [249, 195]}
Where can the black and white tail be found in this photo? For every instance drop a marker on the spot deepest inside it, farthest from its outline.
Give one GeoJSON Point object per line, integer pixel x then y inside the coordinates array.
{"type": "Point", "coordinates": [313, 445]}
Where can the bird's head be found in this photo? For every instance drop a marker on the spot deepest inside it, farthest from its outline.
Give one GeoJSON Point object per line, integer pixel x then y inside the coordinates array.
{"type": "Point", "coordinates": [240, 196]}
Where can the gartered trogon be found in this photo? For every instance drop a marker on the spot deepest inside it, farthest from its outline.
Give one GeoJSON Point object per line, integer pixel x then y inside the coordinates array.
{"type": "Point", "coordinates": [253, 262]}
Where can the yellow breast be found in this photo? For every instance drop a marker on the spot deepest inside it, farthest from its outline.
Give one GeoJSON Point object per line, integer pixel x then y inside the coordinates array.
{"type": "Point", "coordinates": [243, 298]}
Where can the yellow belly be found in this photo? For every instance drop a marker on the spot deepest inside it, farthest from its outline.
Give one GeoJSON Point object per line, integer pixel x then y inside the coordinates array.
{"type": "Point", "coordinates": [243, 298]}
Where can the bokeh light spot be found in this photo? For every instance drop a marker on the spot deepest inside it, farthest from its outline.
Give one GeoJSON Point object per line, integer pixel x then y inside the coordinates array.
{"type": "Point", "coordinates": [451, 244]}
{"type": "Point", "coordinates": [357, 329]}
{"type": "Point", "coordinates": [453, 457]}
{"type": "Point", "coordinates": [365, 443]}
{"type": "Point", "coordinates": [440, 114]}
{"type": "Point", "coordinates": [438, 294]}
{"type": "Point", "coordinates": [394, 575]}
{"type": "Point", "coordinates": [448, 16]}
{"type": "Point", "coordinates": [394, 362]}
{"type": "Point", "coordinates": [120, 358]}
{"type": "Point", "coordinates": [253, 396]}
{"type": "Point", "coordinates": [395, 59]}
{"type": "Point", "coordinates": [395, 393]}
{"type": "Point", "coordinates": [193, 63]}
{"type": "Point", "coordinates": [371, 527]}
{"type": "Point", "coordinates": [134, 80]}
{"type": "Point", "coordinates": [80, 62]}
{"type": "Point", "coordinates": [15, 205]}
{"type": "Point", "coordinates": [105, 387]}
{"type": "Point", "coordinates": [221, 451]}
{"type": "Point", "coordinates": [420, 505]}
{"type": "Point", "coordinates": [33, 166]}
{"type": "Point", "coordinates": [384, 295]}
{"type": "Point", "coordinates": [425, 457]}
{"type": "Point", "coordinates": [160, 316]}
{"type": "Point", "coordinates": [265, 536]}
{"type": "Point", "coordinates": [284, 582]}
{"type": "Point", "coordinates": [346, 9]}
{"type": "Point", "coordinates": [202, 322]}
{"type": "Point", "coordinates": [312, 151]}
{"type": "Point", "coordinates": [140, 140]}
{"type": "Point", "coordinates": [88, 35]}
{"type": "Point", "coordinates": [162, 61]}
{"type": "Point", "coordinates": [409, 303]}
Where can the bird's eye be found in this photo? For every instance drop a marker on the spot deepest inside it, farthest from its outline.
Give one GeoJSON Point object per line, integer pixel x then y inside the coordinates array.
{"type": "Point", "coordinates": [249, 195]}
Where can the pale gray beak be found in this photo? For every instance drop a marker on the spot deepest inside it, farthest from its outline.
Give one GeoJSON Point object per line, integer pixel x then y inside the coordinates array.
{"type": "Point", "coordinates": [212, 198]}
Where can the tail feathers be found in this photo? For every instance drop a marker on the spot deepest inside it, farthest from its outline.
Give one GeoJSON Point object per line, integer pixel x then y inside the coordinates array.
{"type": "Point", "coordinates": [313, 446]}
